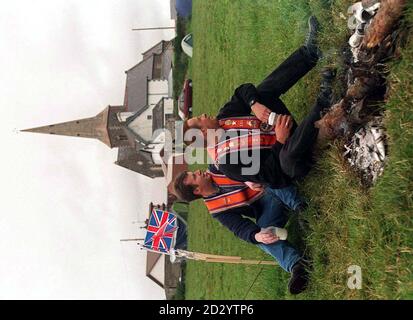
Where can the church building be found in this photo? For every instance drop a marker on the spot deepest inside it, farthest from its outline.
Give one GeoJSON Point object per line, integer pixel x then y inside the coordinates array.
{"type": "Point", "coordinates": [136, 127]}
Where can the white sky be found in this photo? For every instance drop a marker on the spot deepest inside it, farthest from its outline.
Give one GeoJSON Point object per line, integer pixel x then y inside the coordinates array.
{"type": "Point", "coordinates": [64, 204]}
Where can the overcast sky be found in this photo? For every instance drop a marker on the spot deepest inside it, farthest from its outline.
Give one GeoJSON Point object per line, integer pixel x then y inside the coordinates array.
{"type": "Point", "coordinates": [64, 204]}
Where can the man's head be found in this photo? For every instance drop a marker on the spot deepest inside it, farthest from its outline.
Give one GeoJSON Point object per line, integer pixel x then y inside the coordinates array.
{"type": "Point", "coordinates": [190, 186]}
{"type": "Point", "coordinates": [202, 122]}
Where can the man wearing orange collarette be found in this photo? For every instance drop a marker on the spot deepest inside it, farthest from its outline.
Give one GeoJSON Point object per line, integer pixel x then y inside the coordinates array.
{"type": "Point", "coordinates": [233, 203]}
{"type": "Point", "coordinates": [268, 147]}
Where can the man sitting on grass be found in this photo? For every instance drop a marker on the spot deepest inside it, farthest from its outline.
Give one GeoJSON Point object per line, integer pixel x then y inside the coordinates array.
{"type": "Point", "coordinates": [244, 147]}
{"type": "Point", "coordinates": [243, 151]}
{"type": "Point", "coordinates": [232, 202]}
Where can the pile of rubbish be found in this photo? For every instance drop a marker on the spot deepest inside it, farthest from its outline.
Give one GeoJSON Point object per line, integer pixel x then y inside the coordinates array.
{"type": "Point", "coordinates": [366, 151]}
{"type": "Point", "coordinates": [357, 117]}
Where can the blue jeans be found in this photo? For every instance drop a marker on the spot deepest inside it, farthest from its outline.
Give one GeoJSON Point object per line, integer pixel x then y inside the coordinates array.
{"type": "Point", "coordinates": [271, 212]}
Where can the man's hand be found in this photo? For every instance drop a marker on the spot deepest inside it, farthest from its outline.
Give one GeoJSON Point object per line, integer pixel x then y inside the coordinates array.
{"type": "Point", "coordinates": [254, 186]}
{"type": "Point", "coordinates": [266, 237]}
{"type": "Point", "coordinates": [283, 127]}
{"type": "Point", "coordinates": [261, 111]}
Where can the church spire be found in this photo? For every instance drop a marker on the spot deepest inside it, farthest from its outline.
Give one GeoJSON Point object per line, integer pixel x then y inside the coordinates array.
{"type": "Point", "coordinates": [95, 127]}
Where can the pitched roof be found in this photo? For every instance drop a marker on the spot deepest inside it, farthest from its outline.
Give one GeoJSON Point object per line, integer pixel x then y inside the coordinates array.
{"type": "Point", "coordinates": [137, 77]}
{"type": "Point", "coordinates": [141, 140]}
{"type": "Point", "coordinates": [135, 159]}
{"type": "Point", "coordinates": [158, 116]}
{"type": "Point", "coordinates": [151, 259]}
{"type": "Point", "coordinates": [137, 85]}
{"type": "Point", "coordinates": [156, 49]}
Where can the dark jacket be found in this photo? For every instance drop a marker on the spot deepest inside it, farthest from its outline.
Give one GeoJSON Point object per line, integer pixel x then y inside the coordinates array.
{"type": "Point", "coordinates": [236, 219]}
{"type": "Point", "coordinates": [269, 173]}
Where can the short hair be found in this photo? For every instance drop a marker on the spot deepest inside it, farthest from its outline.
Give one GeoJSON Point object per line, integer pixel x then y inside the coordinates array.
{"type": "Point", "coordinates": [183, 191]}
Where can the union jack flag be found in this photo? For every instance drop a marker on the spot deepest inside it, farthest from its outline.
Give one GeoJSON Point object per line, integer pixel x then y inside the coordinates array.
{"type": "Point", "coordinates": [160, 231]}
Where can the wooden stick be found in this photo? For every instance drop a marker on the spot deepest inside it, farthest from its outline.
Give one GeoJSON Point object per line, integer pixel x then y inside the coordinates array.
{"type": "Point", "coordinates": [198, 256]}
{"type": "Point", "coordinates": [224, 259]}
{"type": "Point", "coordinates": [241, 261]}
{"type": "Point", "coordinates": [203, 256]}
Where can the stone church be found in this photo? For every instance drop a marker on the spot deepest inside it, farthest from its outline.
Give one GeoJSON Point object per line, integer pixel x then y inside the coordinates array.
{"type": "Point", "coordinates": [135, 127]}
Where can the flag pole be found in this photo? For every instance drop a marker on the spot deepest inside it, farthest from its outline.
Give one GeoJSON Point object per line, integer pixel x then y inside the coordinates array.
{"type": "Point", "coordinates": [158, 28]}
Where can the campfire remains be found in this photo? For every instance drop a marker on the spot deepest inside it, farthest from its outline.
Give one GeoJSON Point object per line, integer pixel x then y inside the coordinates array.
{"type": "Point", "coordinates": [358, 116]}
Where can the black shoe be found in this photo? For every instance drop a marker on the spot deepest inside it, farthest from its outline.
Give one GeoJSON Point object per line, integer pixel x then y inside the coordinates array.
{"type": "Point", "coordinates": [325, 95]}
{"type": "Point", "coordinates": [311, 42]}
{"type": "Point", "coordinates": [328, 75]}
{"type": "Point", "coordinates": [299, 278]}
{"type": "Point", "coordinates": [301, 208]}
{"type": "Point", "coordinates": [302, 222]}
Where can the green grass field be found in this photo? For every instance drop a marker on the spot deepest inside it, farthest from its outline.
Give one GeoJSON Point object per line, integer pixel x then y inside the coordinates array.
{"type": "Point", "coordinates": [238, 41]}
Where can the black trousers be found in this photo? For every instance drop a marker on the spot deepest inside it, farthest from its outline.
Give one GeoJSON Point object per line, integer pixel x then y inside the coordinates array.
{"type": "Point", "coordinates": [295, 157]}
{"type": "Point", "coordinates": [278, 82]}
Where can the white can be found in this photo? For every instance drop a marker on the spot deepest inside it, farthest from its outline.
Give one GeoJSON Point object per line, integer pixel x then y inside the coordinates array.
{"type": "Point", "coordinates": [271, 118]}
{"type": "Point", "coordinates": [279, 232]}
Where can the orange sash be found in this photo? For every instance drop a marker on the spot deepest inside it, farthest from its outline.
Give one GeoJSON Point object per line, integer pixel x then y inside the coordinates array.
{"type": "Point", "coordinates": [232, 199]}
{"type": "Point", "coordinates": [222, 180]}
{"type": "Point", "coordinates": [263, 139]}
{"type": "Point", "coordinates": [240, 123]}
{"type": "Point", "coordinates": [246, 142]}
{"type": "Point", "coordinates": [248, 122]}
